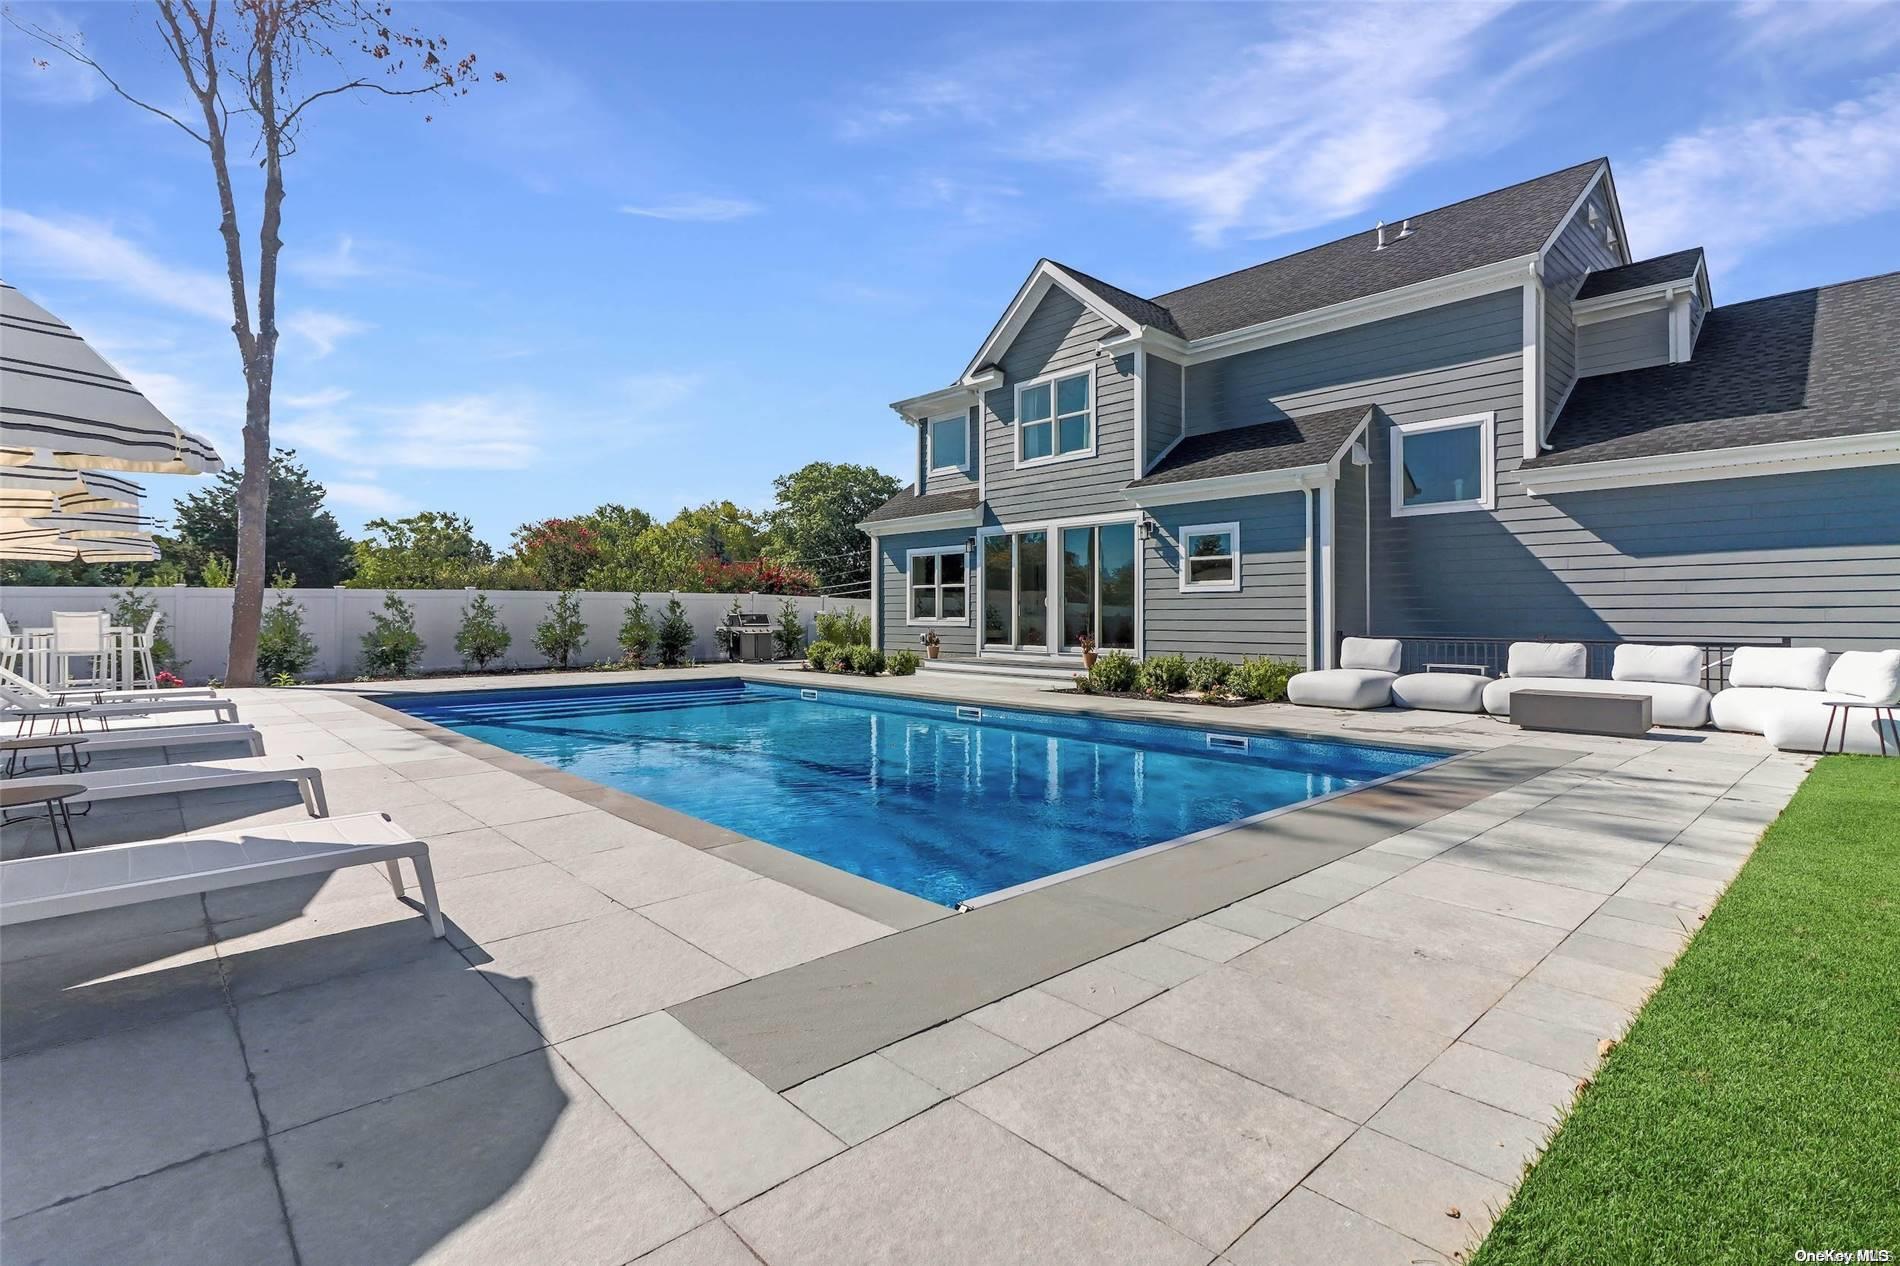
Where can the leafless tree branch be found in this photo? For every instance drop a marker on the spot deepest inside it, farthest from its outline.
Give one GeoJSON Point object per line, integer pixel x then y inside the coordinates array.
{"type": "Point", "coordinates": [64, 45]}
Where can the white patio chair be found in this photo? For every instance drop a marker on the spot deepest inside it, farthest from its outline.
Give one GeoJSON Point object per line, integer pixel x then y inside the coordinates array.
{"type": "Point", "coordinates": [63, 749]}
{"type": "Point", "coordinates": [32, 689]}
{"type": "Point", "coordinates": [27, 710]}
{"type": "Point", "coordinates": [12, 646]}
{"type": "Point", "coordinates": [142, 650]}
{"type": "Point", "coordinates": [80, 635]}
{"type": "Point", "coordinates": [118, 875]}
{"type": "Point", "coordinates": [163, 780]}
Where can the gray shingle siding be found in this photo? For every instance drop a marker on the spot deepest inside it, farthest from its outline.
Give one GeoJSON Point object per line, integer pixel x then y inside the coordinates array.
{"type": "Point", "coordinates": [1266, 616]}
{"type": "Point", "coordinates": [1631, 342]}
{"type": "Point", "coordinates": [1061, 335]}
{"type": "Point", "coordinates": [1579, 251]}
{"type": "Point", "coordinates": [1351, 522]}
{"type": "Point", "coordinates": [1164, 418]}
{"type": "Point", "coordinates": [949, 480]}
{"type": "Point", "coordinates": [895, 633]}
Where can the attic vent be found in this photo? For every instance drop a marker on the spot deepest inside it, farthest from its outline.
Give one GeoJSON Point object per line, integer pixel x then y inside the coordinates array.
{"type": "Point", "coordinates": [1380, 229]}
{"type": "Point", "coordinates": [1593, 216]}
{"type": "Point", "coordinates": [1405, 229]}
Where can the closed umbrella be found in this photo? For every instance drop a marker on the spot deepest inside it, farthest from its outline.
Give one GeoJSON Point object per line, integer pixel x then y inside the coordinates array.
{"type": "Point", "coordinates": [32, 489]}
{"type": "Point", "coordinates": [63, 405]}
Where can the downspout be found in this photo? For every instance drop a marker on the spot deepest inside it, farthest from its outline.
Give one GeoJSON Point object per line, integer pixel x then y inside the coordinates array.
{"type": "Point", "coordinates": [1329, 574]}
{"type": "Point", "coordinates": [1308, 494]}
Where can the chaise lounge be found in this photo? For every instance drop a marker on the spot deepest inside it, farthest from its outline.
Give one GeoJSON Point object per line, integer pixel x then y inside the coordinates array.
{"type": "Point", "coordinates": [1782, 693]}
{"type": "Point", "coordinates": [1367, 668]}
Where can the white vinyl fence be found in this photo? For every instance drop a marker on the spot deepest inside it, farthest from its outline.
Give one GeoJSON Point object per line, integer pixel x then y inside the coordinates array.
{"type": "Point", "coordinates": [198, 621]}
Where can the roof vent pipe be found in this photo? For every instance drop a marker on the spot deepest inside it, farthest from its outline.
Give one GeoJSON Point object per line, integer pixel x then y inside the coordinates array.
{"type": "Point", "coordinates": [1405, 229]}
{"type": "Point", "coordinates": [1381, 232]}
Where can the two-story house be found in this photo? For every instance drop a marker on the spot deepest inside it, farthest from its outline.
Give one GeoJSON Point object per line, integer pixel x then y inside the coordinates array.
{"type": "Point", "coordinates": [1486, 420]}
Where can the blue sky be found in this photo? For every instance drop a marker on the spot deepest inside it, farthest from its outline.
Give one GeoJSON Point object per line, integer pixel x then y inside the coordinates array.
{"type": "Point", "coordinates": [685, 249]}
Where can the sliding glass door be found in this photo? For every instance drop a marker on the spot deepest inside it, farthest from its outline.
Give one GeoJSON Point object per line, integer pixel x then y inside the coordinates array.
{"type": "Point", "coordinates": [1098, 585]}
{"type": "Point", "coordinates": [1032, 590]}
{"type": "Point", "coordinates": [1016, 591]}
{"type": "Point", "coordinates": [1088, 588]}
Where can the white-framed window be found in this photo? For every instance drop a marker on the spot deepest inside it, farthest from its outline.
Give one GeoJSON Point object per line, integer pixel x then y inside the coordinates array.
{"type": "Point", "coordinates": [1210, 558]}
{"type": "Point", "coordinates": [939, 585]}
{"type": "Point", "coordinates": [1055, 418]}
{"type": "Point", "coordinates": [1443, 466]}
{"type": "Point", "coordinates": [949, 440]}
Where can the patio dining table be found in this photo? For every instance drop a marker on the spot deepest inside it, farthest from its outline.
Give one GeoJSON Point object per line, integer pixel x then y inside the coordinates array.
{"type": "Point", "coordinates": [39, 665]}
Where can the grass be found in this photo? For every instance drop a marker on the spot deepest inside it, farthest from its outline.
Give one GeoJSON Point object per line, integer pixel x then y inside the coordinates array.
{"type": "Point", "coordinates": [1753, 1109]}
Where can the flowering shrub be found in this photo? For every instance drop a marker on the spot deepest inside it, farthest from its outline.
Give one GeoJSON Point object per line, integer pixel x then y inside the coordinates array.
{"type": "Point", "coordinates": [754, 575]}
{"type": "Point", "coordinates": [168, 680]}
{"type": "Point", "coordinates": [558, 552]}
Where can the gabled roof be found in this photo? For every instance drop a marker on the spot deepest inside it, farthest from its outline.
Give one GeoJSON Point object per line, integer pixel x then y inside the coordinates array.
{"type": "Point", "coordinates": [1809, 365]}
{"type": "Point", "coordinates": [1677, 266]}
{"type": "Point", "coordinates": [1286, 444]}
{"type": "Point", "coordinates": [908, 505]}
{"type": "Point", "coordinates": [1140, 311]}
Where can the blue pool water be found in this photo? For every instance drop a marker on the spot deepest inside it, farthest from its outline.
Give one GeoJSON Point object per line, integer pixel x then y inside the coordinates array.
{"type": "Point", "coordinates": [918, 795]}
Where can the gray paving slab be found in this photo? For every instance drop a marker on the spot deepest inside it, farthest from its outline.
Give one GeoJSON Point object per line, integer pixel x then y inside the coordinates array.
{"type": "Point", "coordinates": [1537, 1041]}
{"type": "Point", "coordinates": [1466, 1131]}
{"type": "Point", "coordinates": [1203, 1149]}
{"type": "Point", "coordinates": [1251, 920]}
{"type": "Point", "coordinates": [577, 834]}
{"type": "Point", "coordinates": [717, 1126]}
{"type": "Point", "coordinates": [1612, 927]}
{"type": "Point", "coordinates": [519, 1161]}
{"type": "Point", "coordinates": [88, 991]}
{"type": "Point", "coordinates": [332, 1046]}
{"type": "Point", "coordinates": [950, 1188]}
{"type": "Point", "coordinates": [712, 1244]}
{"type": "Point", "coordinates": [1552, 864]}
{"type": "Point", "coordinates": [217, 1210]}
{"type": "Point", "coordinates": [1640, 960]}
{"type": "Point", "coordinates": [641, 871]}
{"type": "Point", "coordinates": [1033, 1019]}
{"type": "Point", "coordinates": [458, 854]}
{"type": "Point", "coordinates": [1306, 1227]}
{"type": "Point", "coordinates": [861, 896]}
{"type": "Point", "coordinates": [486, 908]}
{"type": "Point", "coordinates": [1444, 1206]}
{"type": "Point", "coordinates": [95, 1113]}
{"type": "Point", "coordinates": [268, 953]}
{"type": "Point", "coordinates": [579, 977]}
{"type": "Point", "coordinates": [1099, 988]}
{"type": "Point", "coordinates": [1529, 1090]}
{"type": "Point", "coordinates": [865, 1097]}
{"type": "Point", "coordinates": [1205, 939]}
{"type": "Point", "coordinates": [955, 1056]}
{"type": "Point", "coordinates": [1157, 962]}
{"type": "Point", "coordinates": [1567, 1007]}
{"type": "Point", "coordinates": [763, 926]}
{"type": "Point", "coordinates": [1510, 895]}
{"type": "Point", "coordinates": [1442, 930]}
{"type": "Point", "coordinates": [1625, 989]}
{"type": "Point", "coordinates": [84, 931]}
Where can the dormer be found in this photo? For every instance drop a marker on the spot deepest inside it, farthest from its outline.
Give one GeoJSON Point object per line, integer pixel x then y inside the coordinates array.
{"type": "Point", "coordinates": [1641, 314]}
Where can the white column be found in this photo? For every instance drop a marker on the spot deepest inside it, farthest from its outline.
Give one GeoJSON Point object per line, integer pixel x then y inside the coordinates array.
{"type": "Point", "coordinates": [877, 606]}
{"type": "Point", "coordinates": [1307, 502]}
{"type": "Point", "coordinates": [1533, 367]}
{"type": "Point", "coordinates": [1328, 573]}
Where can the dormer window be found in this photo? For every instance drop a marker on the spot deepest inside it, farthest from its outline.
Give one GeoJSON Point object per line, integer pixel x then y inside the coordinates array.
{"type": "Point", "coordinates": [950, 443]}
{"type": "Point", "coordinates": [1054, 418]}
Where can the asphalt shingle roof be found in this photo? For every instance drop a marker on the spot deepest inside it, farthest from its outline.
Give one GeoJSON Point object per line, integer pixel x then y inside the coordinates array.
{"type": "Point", "coordinates": [907, 504]}
{"type": "Point", "coordinates": [1644, 272]}
{"type": "Point", "coordinates": [1141, 311]}
{"type": "Point", "coordinates": [1248, 450]}
{"type": "Point", "coordinates": [1812, 364]}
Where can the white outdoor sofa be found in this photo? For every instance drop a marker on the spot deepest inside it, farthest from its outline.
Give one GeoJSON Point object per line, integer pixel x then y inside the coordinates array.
{"type": "Point", "coordinates": [117, 875]}
{"type": "Point", "coordinates": [1367, 668]}
{"type": "Point", "coordinates": [162, 780]}
{"type": "Point", "coordinates": [1779, 693]}
{"type": "Point", "coordinates": [1670, 675]}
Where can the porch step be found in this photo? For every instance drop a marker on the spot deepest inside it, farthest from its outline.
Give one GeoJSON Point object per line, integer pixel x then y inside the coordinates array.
{"type": "Point", "coordinates": [1052, 674]}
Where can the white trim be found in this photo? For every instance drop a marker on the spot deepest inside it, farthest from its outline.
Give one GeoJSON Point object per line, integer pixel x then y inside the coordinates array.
{"type": "Point", "coordinates": [1141, 410]}
{"type": "Point", "coordinates": [939, 402]}
{"type": "Point", "coordinates": [1486, 423]}
{"type": "Point", "coordinates": [1219, 486]}
{"type": "Point", "coordinates": [980, 438]}
{"type": "Point", "coordinates": [911, 618]}
{"type": "Point", "coordinates": [1052, 530]}
{"type": "Point", "coordinates": [877, 593]}
{"type": "Point", "coordinates": [1187, 534]}
{"type": "Point", "coordinates": [923, 522]}
{"type": "Point", "coordinates": [1306, 577]}
{"type": "Point", "coordinates": [1329, 571]}
{"type": "Point", "coordinates": [1877, 448]}
{"type": "Point", "coordinates": [1533, 426]}
{"type": "Point", "coordinates": [1589, 188]}
{"type": "Point", "coordinates": [930, 443]}
{"type": "Point", "coordinates": [1679, 337]}
{"type": "Point", "coordinates": [1042, 277]}
{"type": "Point", "coordinates": [1054, 420]}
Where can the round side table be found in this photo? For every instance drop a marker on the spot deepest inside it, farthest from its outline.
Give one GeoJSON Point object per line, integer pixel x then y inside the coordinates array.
{"type": "Point", "coordinates": [1844, 709]}
{"type": "Point", "coordinates": [53, 796]}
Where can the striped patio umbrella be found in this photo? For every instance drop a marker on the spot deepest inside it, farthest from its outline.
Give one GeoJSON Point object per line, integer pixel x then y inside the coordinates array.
{"type": "Point", "coordinates": [62, 405]}
{"type": "Point", "coordinates": [31, 490]}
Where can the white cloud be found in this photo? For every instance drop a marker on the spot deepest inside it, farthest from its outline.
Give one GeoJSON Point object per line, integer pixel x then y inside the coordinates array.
{"type": "Point", "coordinates": [1733, 186]}
{"type": "Point", "coordinates": [372, 500]}
{"type": "Point", "coordinates": [322, 330]}
{"type": "Point", "coordinates": [323, 398]}
{"type": "Point", "coordinates": [493, 431]}
{"type": "Point", "coordinates": [332, 267]}
{"type": "Point", "coordinates": [1817, 35]}
{"type": "Point", "coordinates": [697, 209]}
{"type": "Point", "coordinates": [86, 249]}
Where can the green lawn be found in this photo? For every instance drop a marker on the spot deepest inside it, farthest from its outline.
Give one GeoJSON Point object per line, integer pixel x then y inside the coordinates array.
{"type": "Point", "coordinates": [1754, 1107]}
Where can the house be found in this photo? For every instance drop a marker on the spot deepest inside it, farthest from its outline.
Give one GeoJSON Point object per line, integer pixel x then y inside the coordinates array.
{"type": "Point", "coordinates": [1484, 421]}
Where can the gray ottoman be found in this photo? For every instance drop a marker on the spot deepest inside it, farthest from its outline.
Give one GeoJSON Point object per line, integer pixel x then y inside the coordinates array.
{"type": "Point", "coordinates": [1441, 692]}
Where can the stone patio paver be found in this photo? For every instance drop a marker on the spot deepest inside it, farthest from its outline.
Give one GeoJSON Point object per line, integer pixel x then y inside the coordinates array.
{"type": "Point", "coordinates": [1483, 1138]}
{"type": "Point", "coordinates": [865, 1097]}
{"type": "Point", "coordinates": [1205, 939]}
{"type": "Point", "coordinates": [1306, 1227]}
{"type": "Point", "coordinates": [950, 1188]}
{"type": "Point", "coordinates": [88, 991]}
{"type": "Point", "coordinates": [1529, 1090]}
{"type": "Point", "coordinates": [1034, 1020]}
{"type": "Point", "coordinates": [1098, 987]}
{"type": "Point", "coordinates": [712, 1244]}
{"type": "Point", "coordinates": [484, 908]}
{"type": "Point", "coordinates": [955, 1056]}
{"type": "Point", "coordinates": [1203, 1149]}
{"type": "Point", "coordinates": [1411, 1191]}
{"type": "Point", "coordinates": [1553, 1045]}
{"type": "Point", "coordinates": [1441, 930]}
{"type": "Point", "coordinates": [717, 1126]}
{"type": "Point", "coordinates": [640, 871]}
{"type": "Point", "coordinates": [763, 925]}
{"type": "Point", "coordinates": [1528, 899]}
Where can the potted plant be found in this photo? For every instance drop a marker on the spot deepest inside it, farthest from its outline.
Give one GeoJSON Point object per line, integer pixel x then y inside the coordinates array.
{"type": "Point", "coordinates": [1087, 643]}
{"type": "Point", "coordinates": [931, 644]}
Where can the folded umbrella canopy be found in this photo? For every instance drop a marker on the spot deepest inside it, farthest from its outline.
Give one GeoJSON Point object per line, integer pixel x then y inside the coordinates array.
{"type": "Point", "coordinates": [31, 490]}
{"type": "Point", "coordinates": [62, 405]}
{"type": "Point", "coordinates": [103, 535]}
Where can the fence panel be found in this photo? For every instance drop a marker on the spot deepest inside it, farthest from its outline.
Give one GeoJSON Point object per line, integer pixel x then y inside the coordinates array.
{"type": "Point", "coordinates": [198, 621]}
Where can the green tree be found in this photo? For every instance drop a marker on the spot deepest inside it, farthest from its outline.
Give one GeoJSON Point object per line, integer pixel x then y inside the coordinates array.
{"type": "Point", "coordinates": [481, 638]}
{"type": "Point", "coordinates": [815, 521]}
{"type": "Point", "coordinates": [789, 637]}
{"type": "Point", "coordinates": [284, 647]}
{"type": "Point", "coordinates": [636, 632]}
{"type": "Point", "coordinates": [392, 647]}
{"type": "Point", "coordinates": [676, 634]}
{"type": "Point", "coordinates": [431, 550]}
{"type": "Point", "coordinates": [558, 553]}
{"type": "Point", "coordinates": [563, 632]}
{"type": "Point", "coordinates": [300, 535]}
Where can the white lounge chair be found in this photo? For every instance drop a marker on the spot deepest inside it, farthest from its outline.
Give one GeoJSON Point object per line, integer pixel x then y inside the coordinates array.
{"type": "Point", "coordinates": [1670, 675]}
{"type": "Point", "coordinates": [117, 875]}
{"type": "Point", "coordinates": [86, 745]}
{"type": "Point", "coordinates": [27, 709]}
{"type": "Point", "coordinates": [109, 694]}
{"type": "Point", "coordinates": [1367, 668]}
{"type": "Point", "coordinates": [1781, 693]}
{"type": "Point", "coordinates": [164, 780]}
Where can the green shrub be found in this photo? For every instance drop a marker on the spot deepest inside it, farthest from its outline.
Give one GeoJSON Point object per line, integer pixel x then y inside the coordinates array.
{"type": "Point", "coordinates": [132, 609]}
{"type": "Point", "coordinates": [675, 635]}
{"type": "Point", "coordinates": [636, 632]}
{"type": "Point", "coordinates": [902, 663]}
{"type": "Point", "coordinates": [843, 628]}
{"type": "Point", "coordinates": [392, 647]}
{"type": "Point", "coordinates": [1264, 678]}
{"type": "Point", "coordinates": [1210, 676]}
{"type": "Point", "coordinates": [840, 660]}
{"type": "Point", "coordinates": [1113, 673]}
{"type": "Point", "coordinates": [788, 639]}
{"type": "Point", "coordinates": [868, 660]}
{"type": "Point", "coordinates": [215, 572]}
{"type": "Point", "coordinates": [1163, 675]}
{"type": "Point", "coordinates": [1084, 684]}
{"type": "Point", "coordinates": [819, 654]}
{"type": "Point", "coordinates": [726, 636]}
{"type": "Point", "coordinates": [481, 640]}
{"type": "Point", "coordinates": [284, 649]}
{"type": "Point", "coordinates": [563, 632]}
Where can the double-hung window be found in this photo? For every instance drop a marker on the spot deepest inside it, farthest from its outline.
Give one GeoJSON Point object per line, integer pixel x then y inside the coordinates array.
{"type": "Point", "coordinates": [950, 443]}
{"type": "Point", "coordinates": [939, 586]}
{"type": "Point", "coordinates": [1054, 418]}
{"type": "Point", "coordinates": [1442, 466]}
{"type": "Point", "coordinates": [1210, 557]}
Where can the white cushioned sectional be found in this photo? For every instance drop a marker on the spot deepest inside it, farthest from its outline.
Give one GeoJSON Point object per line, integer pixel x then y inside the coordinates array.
{"type": "Point", "coordinates": [1441, 692]}
{"type": "Point", "coordinates": [1367, 668]}
{"type": "Point", "coordinates": [1778, 692]}
{"type": "Point", "coordinates": [1670, 675]}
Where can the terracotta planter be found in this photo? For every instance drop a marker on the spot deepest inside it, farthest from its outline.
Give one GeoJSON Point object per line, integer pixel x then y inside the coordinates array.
{"type": "Point", "coordinates": [930, 651]}
{"type": "Point", "coordinates": [1088, 659]}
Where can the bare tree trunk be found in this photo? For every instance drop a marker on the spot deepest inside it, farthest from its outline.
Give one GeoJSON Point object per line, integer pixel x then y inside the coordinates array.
{"type": "Point", "coordinates": [253, 506]}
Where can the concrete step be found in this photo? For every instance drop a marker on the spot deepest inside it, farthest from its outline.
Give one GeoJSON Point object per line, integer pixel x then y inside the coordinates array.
{"type": "Point", "coordinates": [1053, 674]}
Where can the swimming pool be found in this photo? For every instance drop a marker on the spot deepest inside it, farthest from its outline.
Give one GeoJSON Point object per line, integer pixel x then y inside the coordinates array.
{"type": "Point", "coordinates": [950, 803]}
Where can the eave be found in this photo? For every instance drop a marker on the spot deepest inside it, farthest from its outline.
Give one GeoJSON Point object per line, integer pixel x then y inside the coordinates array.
{"type": "Point", "coordinates": [1876, 448]}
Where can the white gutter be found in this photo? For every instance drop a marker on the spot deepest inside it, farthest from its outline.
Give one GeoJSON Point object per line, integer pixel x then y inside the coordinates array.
{"type": "Point", "coordinates": [1877, 448]}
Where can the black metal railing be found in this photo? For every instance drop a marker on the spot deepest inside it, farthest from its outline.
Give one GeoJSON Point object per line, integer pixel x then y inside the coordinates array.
{"type": "Point", "coordinates": [1490, 654]}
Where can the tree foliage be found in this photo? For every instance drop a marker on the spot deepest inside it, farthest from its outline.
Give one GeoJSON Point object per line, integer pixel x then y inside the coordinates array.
{"type": "Point", "coordinates": [815, 523]}
{"type": "Point", "coordinates": [563, 631]}
{"type": "Point", "coordinates": [392, 647]}
{"type": "Point", "coordinates": [481, 638]}
{"type": "Point", "coordinates": [675, 634]}
{"type": "Point", "coordinates": [301, 535]}
{"type": "Point", "coordinates": [430, 550]}
{"type": "Point", "coordinates": [284, 648]}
